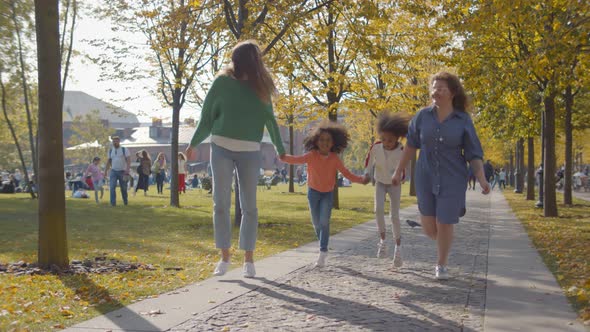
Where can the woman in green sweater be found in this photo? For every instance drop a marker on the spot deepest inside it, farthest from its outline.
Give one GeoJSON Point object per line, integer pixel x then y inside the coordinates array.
{"type": "Point", "coordinates": [236, 110]}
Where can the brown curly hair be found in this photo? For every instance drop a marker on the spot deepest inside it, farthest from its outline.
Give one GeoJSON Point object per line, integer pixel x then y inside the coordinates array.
{"type": "Point", "coordinates": [394, 123]}
{"type": "Point", "coordinates": [460, 99]}
{"type": "Point", "coordinates": [340, 136]}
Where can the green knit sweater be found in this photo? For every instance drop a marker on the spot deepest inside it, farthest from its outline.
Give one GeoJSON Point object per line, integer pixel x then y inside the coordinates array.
{"type": "Point", "coordinates": [232, 109]}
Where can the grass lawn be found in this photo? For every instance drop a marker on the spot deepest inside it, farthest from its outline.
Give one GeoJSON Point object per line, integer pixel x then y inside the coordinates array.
{"type": "Point", "coordinates": [564, 244]}
{"type": "Point", "coordinates": [149, 232]}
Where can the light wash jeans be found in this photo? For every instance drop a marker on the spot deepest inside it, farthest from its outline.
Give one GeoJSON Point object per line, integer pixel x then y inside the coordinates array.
{"type": "Point", "coordinates": [247, 165]}
{"type": "Point", "coordinates": [97, 187]}
{"type": "Point", "coordinates": [115, 176]}
{"type": "Point", "coordinates": [320, 207]}
{"type": "Point", "coordinates": [394, 192]}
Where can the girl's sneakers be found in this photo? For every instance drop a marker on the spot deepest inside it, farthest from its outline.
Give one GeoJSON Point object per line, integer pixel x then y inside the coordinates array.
{"type": "Point", "coordinates": [397, 257]}
{"type": "Point", "coordinates": [322, 259]}
{"type": "Point", "coordinates": [221, 268]}
{"type": "Point", "coordinates": [381, 249]}
{"type": "Point", "coordinates": [249, 270]}
{"type": "Point", "coordinates": [441, 272]}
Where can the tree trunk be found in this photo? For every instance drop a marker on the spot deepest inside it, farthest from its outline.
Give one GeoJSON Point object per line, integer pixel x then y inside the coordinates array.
{"type": "Point", "coordinates": [530, 179]}
{"type": "Point", "coordinates": [174, 201]}
{"type": "Point", "coordinates": [291, 167]}
{"type": "Point", "coordinates": [66, 65]}
{"type": "Point", "coordinates": [516, 164]}
{"type": "Point", "coordinates": [511, 169]}
{"type": "Point", "coordinates": [567, 187]}
{"type": "Point", "coordinates": [53, 249]}
{"type": "Point", "coordinates": [519, 175]}
{"type": "Point", "coordinates": [331, 94]}
{"type": "Point", "coordinates": [549, 199]}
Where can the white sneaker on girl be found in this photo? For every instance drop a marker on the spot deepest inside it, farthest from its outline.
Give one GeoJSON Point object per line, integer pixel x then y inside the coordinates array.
{"type": "Point", "coordinates": [322, 259]}
{"type": "Point", "coordinates": [381, 249]}
{"type": "Point", "coordinates": [441, 272]}
{"type": "Point", "coordinates": [397, 257]}
{"type": "Point", "coordinates": [221, 268]}
{"type": "Point", "coordinates": [249, 270]}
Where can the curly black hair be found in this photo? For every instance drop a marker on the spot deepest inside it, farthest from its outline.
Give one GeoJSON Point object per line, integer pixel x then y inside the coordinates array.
{"type": "Point", "coordinates": [340, 136]}
{"type": "Point", "coordinates": [394, 123]}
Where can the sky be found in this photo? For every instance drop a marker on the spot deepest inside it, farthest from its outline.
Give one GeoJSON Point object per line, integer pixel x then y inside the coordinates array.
{"type": "Point", "coordinates": [85, 76]}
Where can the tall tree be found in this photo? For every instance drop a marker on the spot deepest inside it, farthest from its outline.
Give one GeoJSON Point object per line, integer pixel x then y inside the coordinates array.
{"type": "Point", "coordinates": [53, 248]}
{"type": "Point", "coordinates": [529, 42]}
{"type": "Point", "coordinates": [19, 15]}
{"type": "Point", "coordinates": [16, 57]}
{"type": "Point", "coordinates": [13, 133]}
{"type": "Point", "coordinates": [324, 59]}
{"type": "Point", "coordinates": [179, 36]}
{"type": "Point", "coordinates": [268, 22]}
{"type": "Point", "coordinates": [399, 52]}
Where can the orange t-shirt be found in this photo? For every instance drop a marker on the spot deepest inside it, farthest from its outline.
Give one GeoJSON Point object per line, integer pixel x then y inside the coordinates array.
{"type": "Point", "coordinates": [321, 170]}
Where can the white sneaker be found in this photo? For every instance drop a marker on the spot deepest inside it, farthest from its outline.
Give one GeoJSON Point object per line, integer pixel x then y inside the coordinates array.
{"type": "Point", "coordinates": [221, 268]}
{"type": "Point", "coordinates": [322, 259]}
{"type": "Point", "coordinates": [249, 270]}
{"type": "Point", "coordinates": [397, 257]}
{"type": "Point", "coordinates": [381, 249]}
{"type": "Point", "coordinates": [441, 272]}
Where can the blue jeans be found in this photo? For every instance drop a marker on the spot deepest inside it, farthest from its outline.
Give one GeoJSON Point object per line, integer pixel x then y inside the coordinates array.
{"type": "Point", "coordinates": [97, 187]}
{"type": "Point", "coordinates": [115, 176]}
{"type": "Point", "coordinates": [320, 206]}
{"type": "Point", "coordinates": [247, 165]}
{"type": "Point", "coordinates": [160, 176]}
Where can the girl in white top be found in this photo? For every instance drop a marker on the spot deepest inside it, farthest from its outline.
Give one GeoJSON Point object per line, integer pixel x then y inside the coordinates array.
{"type": "Point", "coordinates": [385, 156]}
{"type": "Point", "coordinates": [181, 173]}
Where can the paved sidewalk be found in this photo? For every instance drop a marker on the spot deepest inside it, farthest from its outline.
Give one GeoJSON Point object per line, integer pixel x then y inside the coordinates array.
{"type": "Point", "coordinates": [498, 284]}
{"type": "Point", "coordinates": [585, 195]}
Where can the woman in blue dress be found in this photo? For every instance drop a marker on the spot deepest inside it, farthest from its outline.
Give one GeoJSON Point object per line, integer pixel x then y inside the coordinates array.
{"type": "Point", "coordinates": [447, 140]}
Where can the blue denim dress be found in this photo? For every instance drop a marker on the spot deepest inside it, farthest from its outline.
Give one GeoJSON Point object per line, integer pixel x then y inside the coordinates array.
{"type": "Point", "coordinates": [441, 170]}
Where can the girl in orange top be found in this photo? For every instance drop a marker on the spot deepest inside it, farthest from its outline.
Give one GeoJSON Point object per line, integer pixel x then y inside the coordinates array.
{"type": "Point", "coordinates": [324, 143]}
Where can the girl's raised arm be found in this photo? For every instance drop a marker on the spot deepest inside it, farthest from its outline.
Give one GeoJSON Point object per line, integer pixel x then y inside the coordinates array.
{"type": "Point", "coordinates": [291, 159]}
{"type": "Point", "coordinates": [348, 174]}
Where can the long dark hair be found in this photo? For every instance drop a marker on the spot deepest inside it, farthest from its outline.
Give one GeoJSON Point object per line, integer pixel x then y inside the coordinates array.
{"type": "Point", "coordinates": [340, 136]}
{"type": "Point", "coordinates": [460, 100]}
{"type": "Point", "coordinates": [394, 123]}
{"type": "Point", "coordinates": [145, 155]}
{"type": "Point", "coordinates": [247, 65]}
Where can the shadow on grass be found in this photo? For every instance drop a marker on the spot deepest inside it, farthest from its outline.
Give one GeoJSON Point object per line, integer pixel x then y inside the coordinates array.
{"type": "Point", "coordinates": [87, 290]}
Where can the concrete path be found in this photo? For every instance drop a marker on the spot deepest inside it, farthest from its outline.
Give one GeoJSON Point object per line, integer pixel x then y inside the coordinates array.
{"type": "Point", "coordinates": [585, 195]}
{"type": "Point", "coordinates": [498, 284]}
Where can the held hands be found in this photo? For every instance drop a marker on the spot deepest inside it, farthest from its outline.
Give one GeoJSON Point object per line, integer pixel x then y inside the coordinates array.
{"type": "Point", "coordinates": [396, 179]}
{"type": "Point", "coordinates": [366, 179]}
{"type": "Point", "coordinates": [485, 187]}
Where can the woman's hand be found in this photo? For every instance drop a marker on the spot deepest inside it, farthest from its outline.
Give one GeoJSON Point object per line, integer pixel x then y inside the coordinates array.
{"type": "Point", "coordinates": [485, 187]}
